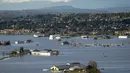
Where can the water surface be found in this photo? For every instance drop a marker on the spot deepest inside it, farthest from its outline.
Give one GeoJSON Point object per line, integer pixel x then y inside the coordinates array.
{"type": "Point", "coordinates": [116, 61]}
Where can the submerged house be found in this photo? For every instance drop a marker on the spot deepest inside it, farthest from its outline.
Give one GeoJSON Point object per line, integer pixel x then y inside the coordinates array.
{"type": "Point", "coordinates": [19, 52]}
{"type": "Point", "coordinates": [38, 35]}
{"type": "Point", "coordinates": [55, 37]}
{"type": "Point", "coordinates": [68, 67]}
{"type": "Point", "coordinates": [84, 37]}
{"type": "Point", "coordinates": [40, 53]}
{"type": "Point", "coordinates": [60, 67]}
{"type": "Point", "coordinates": [46, 52]}
{"type": "Point", "coordinates": [76, 67]}
{"type": "Point", "coordinates": [122, 37]}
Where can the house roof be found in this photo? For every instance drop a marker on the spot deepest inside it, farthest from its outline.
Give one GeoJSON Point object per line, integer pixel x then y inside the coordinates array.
{"type": "Point", "coordinates": [62, 67]}
{"type": "Point", "coordinates": [40, 50]}
{"type": "Point", "coordinates": [74, 63]}
{"type": "Point", "coordinates": [48, 50]}
{"type": "Point", "coordinates": [36, 50]}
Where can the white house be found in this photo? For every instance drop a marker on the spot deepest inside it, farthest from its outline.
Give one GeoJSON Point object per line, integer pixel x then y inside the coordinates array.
{"type": "Point", "coordinates": [122, 37]}
{"type": "Point", "coordinates": [58, 38]}
{"type": "Point", "coordinates": [54, 37]}
{"type": "Point", "coordinates": [51, 37]}
{"type": "Point", "coordinates": [84, 37]}
{"type": "Point", "coordinates": [36, 35]}
{"type": "Point", "coordinates": [40, 53]}
{"type": "Point", "coordinates": [45, 52]}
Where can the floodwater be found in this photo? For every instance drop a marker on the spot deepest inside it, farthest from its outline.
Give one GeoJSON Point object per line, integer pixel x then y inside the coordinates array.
{"type": "Point", "coordinates": [114, 59]}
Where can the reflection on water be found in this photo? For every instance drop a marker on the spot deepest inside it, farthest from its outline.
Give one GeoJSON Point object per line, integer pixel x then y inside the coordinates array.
{"type": "Point", "coordinates": [116, 61]}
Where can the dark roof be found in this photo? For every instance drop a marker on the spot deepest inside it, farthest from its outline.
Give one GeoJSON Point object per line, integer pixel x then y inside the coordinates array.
{"type": "Point", "coordinates": [65, 42]}
{"type": "Point", "coordinates": [36, 50]}
{"type": "Point", "coordinates": [74, 63]}
{"type": "Point", "coordinates": [62, 67]}
{"type": "Point", "coordinates": [48, 50]}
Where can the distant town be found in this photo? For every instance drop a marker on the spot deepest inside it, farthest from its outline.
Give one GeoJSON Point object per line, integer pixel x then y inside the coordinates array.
{"type": "Point", "coordinates": [66, 23]}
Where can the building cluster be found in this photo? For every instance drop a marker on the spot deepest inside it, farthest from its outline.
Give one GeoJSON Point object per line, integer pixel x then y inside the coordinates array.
{"type": "Point", "coordinates": [68, 23]}
{"type": "Point", "coordinates": [14, 31]}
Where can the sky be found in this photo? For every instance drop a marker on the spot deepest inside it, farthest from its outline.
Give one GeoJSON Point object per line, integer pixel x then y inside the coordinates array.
{"type": "Point", "coordinates": [84, 4]}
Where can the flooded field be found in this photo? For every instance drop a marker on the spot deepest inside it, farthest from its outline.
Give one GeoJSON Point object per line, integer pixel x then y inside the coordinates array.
{"type": "Point", "coordinates": [114, 59]}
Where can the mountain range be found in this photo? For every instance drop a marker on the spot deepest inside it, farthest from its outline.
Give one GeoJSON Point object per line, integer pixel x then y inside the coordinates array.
{"type": "Point", "coordinates": [117, 9]}
{"type": "Point", "coordinates": [61, 9]}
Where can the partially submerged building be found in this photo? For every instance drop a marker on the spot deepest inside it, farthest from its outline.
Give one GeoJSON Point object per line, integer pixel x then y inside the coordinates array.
{"type": "Point", "coordinates": [68, 67]}
{"type": "Point", "coordinates": [76, 67]}
{"type": "Point", "coordinates": [55, 37]}
{"type": "Point", "coordinates": [122, 37]}
{"type": "Point", "coordinates": [45, 52]}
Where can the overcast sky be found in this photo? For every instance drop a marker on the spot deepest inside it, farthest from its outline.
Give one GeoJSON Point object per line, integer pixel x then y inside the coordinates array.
{"type": "Point", "coordinates": [36, 4]}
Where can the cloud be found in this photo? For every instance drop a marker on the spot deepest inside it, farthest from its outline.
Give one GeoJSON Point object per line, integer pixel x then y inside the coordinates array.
{"type": "Point", "coordinates": [13, 1]}
{"type": "Point", "coordinates": [60, 0]}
